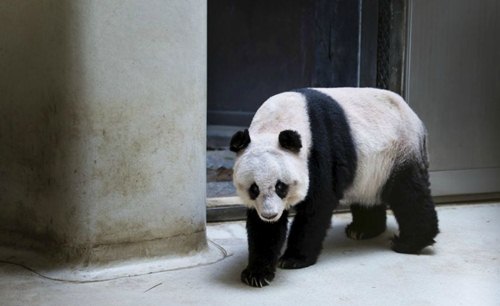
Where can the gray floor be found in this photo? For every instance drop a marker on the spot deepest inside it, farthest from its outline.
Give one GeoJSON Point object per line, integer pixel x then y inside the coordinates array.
{"type": "Point", "coordinates": [463, 268]}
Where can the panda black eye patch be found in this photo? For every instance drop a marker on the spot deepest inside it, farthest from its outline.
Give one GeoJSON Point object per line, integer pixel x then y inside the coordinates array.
{"type": "Point", "coordinates": [281, 189]}
{"type": "Point", "coordinates": [253, 191]}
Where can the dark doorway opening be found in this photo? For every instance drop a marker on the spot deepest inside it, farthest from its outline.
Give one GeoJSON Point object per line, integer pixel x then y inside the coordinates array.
{"type": "Point", "coordinates": [259, 48]}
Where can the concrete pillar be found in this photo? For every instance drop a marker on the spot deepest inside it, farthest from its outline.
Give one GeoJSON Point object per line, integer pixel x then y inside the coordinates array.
{"type": "Point", "coordinates": [102, 128]}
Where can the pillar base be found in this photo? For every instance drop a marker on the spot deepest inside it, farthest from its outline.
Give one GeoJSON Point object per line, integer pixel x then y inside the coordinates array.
{"type": "Point", "coordinates": [95, 270]}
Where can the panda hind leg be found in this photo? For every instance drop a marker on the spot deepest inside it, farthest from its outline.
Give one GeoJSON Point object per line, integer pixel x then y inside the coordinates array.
{"type": "Point", "coordinates": [408, 194]}
{"type": "Point", "coordinates": [367, 221]}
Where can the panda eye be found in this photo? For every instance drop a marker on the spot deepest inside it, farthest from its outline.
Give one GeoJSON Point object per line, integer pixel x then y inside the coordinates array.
{"type": "Point", "coordinates": [281, 189]}
{"type": "Point", "coordinates": [253, 191]}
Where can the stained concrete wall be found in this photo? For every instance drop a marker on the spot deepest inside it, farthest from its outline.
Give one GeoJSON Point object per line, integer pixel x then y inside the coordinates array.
{"type": "Point", "coordinates": [102, 126]}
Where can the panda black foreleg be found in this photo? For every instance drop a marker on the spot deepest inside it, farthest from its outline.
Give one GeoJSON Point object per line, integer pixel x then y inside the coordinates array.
{"type": "Point", "coordinates": [408, 194]}
{"type": "Point", "coordinates": [265, 241]}
{"type": "Point", "coordinates": [307, 233]}
{"type": "Point", "coordinates": [367, 221]}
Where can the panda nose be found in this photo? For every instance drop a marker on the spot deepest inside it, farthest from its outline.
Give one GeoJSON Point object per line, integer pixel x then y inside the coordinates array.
{"type": "Point", "coordinates": [269, 216]}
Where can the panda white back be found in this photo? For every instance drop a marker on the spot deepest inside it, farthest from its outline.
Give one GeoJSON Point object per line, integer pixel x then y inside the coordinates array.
{"type": "Point", "coordinates": [385, 131]}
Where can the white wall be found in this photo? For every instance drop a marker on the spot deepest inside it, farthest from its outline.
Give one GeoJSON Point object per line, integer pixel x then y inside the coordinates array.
{"type": "Point", "coordinates": [102, 126]}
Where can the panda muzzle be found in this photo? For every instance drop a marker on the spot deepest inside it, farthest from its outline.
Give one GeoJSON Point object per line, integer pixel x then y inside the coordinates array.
{"type": "Point", "coordinates": [270, 209]}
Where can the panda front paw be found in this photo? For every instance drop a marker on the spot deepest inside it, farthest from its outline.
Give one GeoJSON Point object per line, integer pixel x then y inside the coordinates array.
{"type": "Point", "coordinates": [291, 262]}
{"type": "Point", "coordinates": [257, 278]}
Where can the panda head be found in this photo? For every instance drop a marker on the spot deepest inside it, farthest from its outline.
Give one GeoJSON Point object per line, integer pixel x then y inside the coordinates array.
{"type": "Point", "coordinates": [270, 174]}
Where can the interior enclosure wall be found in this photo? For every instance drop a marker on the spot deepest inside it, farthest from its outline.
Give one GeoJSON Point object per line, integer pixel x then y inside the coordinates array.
{"type": "Point", "coordinates": [452, 78]}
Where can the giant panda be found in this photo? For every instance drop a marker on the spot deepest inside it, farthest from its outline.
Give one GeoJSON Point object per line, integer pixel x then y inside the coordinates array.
{"type": "Point", "coordinates": [314, 148]}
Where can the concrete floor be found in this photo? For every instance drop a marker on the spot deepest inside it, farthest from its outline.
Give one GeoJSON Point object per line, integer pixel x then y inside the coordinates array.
{"type": "Point", "coordinates": [463, 268]}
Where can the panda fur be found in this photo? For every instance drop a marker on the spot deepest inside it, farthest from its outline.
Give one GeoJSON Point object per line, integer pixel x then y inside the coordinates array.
{"type": "Point", "coordinates": [314, 148]}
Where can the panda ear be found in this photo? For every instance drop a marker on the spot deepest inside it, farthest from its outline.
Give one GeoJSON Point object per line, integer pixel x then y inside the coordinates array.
{"type": "Point", "coordinates": [290, 140]}
{"type": "Point", "coordinates": [239, 141]}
